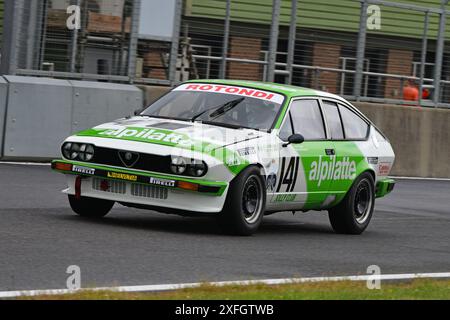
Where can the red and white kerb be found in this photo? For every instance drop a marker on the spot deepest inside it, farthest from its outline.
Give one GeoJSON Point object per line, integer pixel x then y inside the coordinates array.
{"type": "Point", "coordinates": [238, 91]}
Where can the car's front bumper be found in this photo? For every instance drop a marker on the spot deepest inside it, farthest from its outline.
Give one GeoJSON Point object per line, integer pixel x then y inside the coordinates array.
{"type": "Point", "coordinates": [142, 188]}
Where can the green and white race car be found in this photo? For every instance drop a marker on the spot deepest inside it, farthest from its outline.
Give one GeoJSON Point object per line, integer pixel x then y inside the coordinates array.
{"type": "Point", "coordinates": [237, 150]}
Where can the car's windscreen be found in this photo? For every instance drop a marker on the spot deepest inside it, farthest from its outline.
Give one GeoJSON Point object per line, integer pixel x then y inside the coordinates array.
{"type": "Point", "coordinates": [219, 104]}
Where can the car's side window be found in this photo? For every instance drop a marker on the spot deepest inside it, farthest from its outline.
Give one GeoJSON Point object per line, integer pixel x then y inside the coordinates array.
{"type": "Point", "coordinates": [355, 127]}
{"type": "Point", "coordinates": [307, 119]}
{"type": "Point", "coordinates": [331, 112]}
{"type": "Point", "coordinates": [286, 130]}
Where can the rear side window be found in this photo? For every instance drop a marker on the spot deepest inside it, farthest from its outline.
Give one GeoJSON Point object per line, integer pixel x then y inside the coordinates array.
{"type": "Point", "coordinates": [330, 109]}
{"type": "Point", "coordinates": [355, 127]}
{"type": "Point", "coordinates": [307, 119]}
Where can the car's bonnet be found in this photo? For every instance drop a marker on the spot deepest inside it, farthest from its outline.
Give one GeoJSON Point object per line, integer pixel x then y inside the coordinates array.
{"type": "Point", "coordinates": [170, 132]}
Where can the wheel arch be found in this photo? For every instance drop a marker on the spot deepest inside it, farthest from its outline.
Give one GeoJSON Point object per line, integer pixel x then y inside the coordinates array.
{"type": "Point", "coordinates": [369, 171]}
{"type": "Point", "coordinates": [254, 164]}
{"type": "Point", "coordinates": [372, 173]}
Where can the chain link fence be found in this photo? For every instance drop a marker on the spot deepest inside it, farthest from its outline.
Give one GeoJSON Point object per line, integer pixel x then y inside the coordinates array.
{"type": "Point", "coordinates": [367, 50]}
{"type": "Point", "coordinates": [71, 39]}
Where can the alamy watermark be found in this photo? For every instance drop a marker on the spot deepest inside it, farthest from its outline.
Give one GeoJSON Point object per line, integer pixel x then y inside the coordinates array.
{"type": "Point", "coordinates": [373, 17]}
{"type": "Point", "coordinates": [374, 280]}
{"type": "Point", "coordinates": [73, 22]}
{"type": "Point", "coordinates": [73, 282]}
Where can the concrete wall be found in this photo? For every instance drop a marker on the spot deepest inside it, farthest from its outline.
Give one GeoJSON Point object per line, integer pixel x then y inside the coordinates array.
{"type": "Point", "coordinates": [419, 136]}
{"type": "Point", "coordinates": [3, 97]}
{"type": "Point", "coordinates": [38, 116]}
{"type": "Point", "coordinates": [98, 102]}
{"type": "Point", "coordinates": [42, 112]}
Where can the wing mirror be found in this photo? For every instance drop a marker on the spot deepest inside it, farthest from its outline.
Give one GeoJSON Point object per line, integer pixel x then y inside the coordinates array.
{"type": "Point", "coordinates": [295, 139]}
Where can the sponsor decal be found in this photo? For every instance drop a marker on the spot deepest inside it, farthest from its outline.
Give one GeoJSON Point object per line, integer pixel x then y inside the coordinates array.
{"type": "Point", "coordinates": [122, 176]}
{"type": "Point", "coordinates": [332, 169]}
{"type": "Point", "coordinates": [246, 151]}
{"type": "Point", "coordinates": [234, 90]}
{"type": "Point", "coordinates": [384, 168]}
{"type": "Point", "coordinates": [372, 160]}
{"type": "Point", "coordinates": [289, 174]}
{"type": "Point", "coordinates": [285, 198]}
{"type": "Point", "coordinates": [162, 182]}
{"type": "Point", "coordinates": [83, 170]}
{"type": "Point", "coordinates": [148, 134]}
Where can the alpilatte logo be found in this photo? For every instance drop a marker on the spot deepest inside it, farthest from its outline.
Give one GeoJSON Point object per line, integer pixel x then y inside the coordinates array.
{"type": "Point", "coordinates": [148, 134]}
{"type": "Point", "coordinates": [332, 169]}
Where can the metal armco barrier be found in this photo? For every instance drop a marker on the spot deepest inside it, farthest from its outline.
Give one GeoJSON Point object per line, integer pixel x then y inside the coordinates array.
{"type": "Point", "coordinates": [42, 112]}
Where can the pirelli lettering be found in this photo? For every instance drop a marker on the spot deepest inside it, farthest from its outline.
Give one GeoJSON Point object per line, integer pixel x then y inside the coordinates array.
{"type": "Point", "coordinates": [162, 182]}
{"type": "Point", "coordinates": [83, 170]}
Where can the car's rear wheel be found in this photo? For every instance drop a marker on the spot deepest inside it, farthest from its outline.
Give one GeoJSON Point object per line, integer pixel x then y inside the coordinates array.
{"type": "Point", "coordinates": [245, 204]}
{"type": "Point", "coordinates": [353, 214]}
{"type": "Point", "coordinates": [90, 207]}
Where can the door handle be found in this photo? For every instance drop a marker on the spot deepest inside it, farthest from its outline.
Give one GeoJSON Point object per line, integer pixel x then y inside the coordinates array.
{"type": "Point", "coordinates": [330, 152]}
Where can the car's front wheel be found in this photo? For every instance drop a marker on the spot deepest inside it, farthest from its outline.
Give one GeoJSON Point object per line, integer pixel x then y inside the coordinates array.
{"type": "Point", "coordinates": [90, 207]}
{"type": "Point", "coordinates": [353, 214]}
{"type": "Point", "coordinates": [245, 204]}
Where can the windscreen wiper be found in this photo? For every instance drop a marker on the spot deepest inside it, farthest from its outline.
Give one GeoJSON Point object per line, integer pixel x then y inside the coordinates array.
{"type": "Point", "coordinates": [220, 110]}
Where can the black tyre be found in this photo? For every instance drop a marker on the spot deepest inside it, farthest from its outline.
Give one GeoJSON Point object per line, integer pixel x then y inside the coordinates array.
{"type": "Point", "coordinates": [353, 214]}
{"type": "Point", "coordinates": [90, 207]}
{"type": "Point", "coordinates": [245, 204]}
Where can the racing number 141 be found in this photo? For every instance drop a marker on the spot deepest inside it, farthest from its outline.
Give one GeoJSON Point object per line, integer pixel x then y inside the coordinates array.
{"type": "Point", "coordinates": [288, 176]}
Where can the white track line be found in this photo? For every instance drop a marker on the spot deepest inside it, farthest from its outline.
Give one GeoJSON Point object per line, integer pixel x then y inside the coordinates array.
{"type": "Point", "coordinates": [420, 178]}
{"type": "Point", "coordinates": [25, 163]}
{"type": "Point", "coordinates": [171, 287]}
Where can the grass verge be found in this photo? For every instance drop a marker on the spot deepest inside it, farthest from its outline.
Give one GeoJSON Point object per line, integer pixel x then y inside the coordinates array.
{"type": "Point", "coordinates": [345, 290]}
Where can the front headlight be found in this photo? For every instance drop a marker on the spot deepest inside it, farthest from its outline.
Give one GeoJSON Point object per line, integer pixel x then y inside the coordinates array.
{"type": "Point", "coordinates": [188, 167]}
{"type": "Point", "coordinates": [78, 151]}
{"type": "Point", "coordinates": [86, 152]}
{"type": "Point", "coordinates": [70, 150]}
{"type": "Point", "coordinates": [197, 168]}
{"type": "Point", "coordinates": [178, 165]}
{"type": "Point", "coordinates": [66, 150]}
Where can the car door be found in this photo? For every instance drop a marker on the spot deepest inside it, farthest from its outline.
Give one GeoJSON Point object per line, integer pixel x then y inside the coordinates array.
{"type": "Point", "coordinates": [346, 129]}
{"type": "Point", "coordinates": [302, 176]}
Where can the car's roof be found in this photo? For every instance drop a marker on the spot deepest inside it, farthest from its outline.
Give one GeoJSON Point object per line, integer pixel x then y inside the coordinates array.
{"type": "Point", "coordinates": [290, 91]}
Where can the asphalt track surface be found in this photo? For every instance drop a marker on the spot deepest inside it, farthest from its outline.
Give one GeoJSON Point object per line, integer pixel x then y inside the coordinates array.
{"type": "Point", "coordinates": [40, 237]}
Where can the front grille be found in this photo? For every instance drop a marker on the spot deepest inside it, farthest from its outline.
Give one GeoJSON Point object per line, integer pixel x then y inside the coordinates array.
{"type": "Point", "coordinates": [140, 190]}
{"type": "Point", "coordinates": [147, 162]}
{"type": "Point", "coordinates": [111, 186]}
{"type": "Point", "coordinates": [137, 190]}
